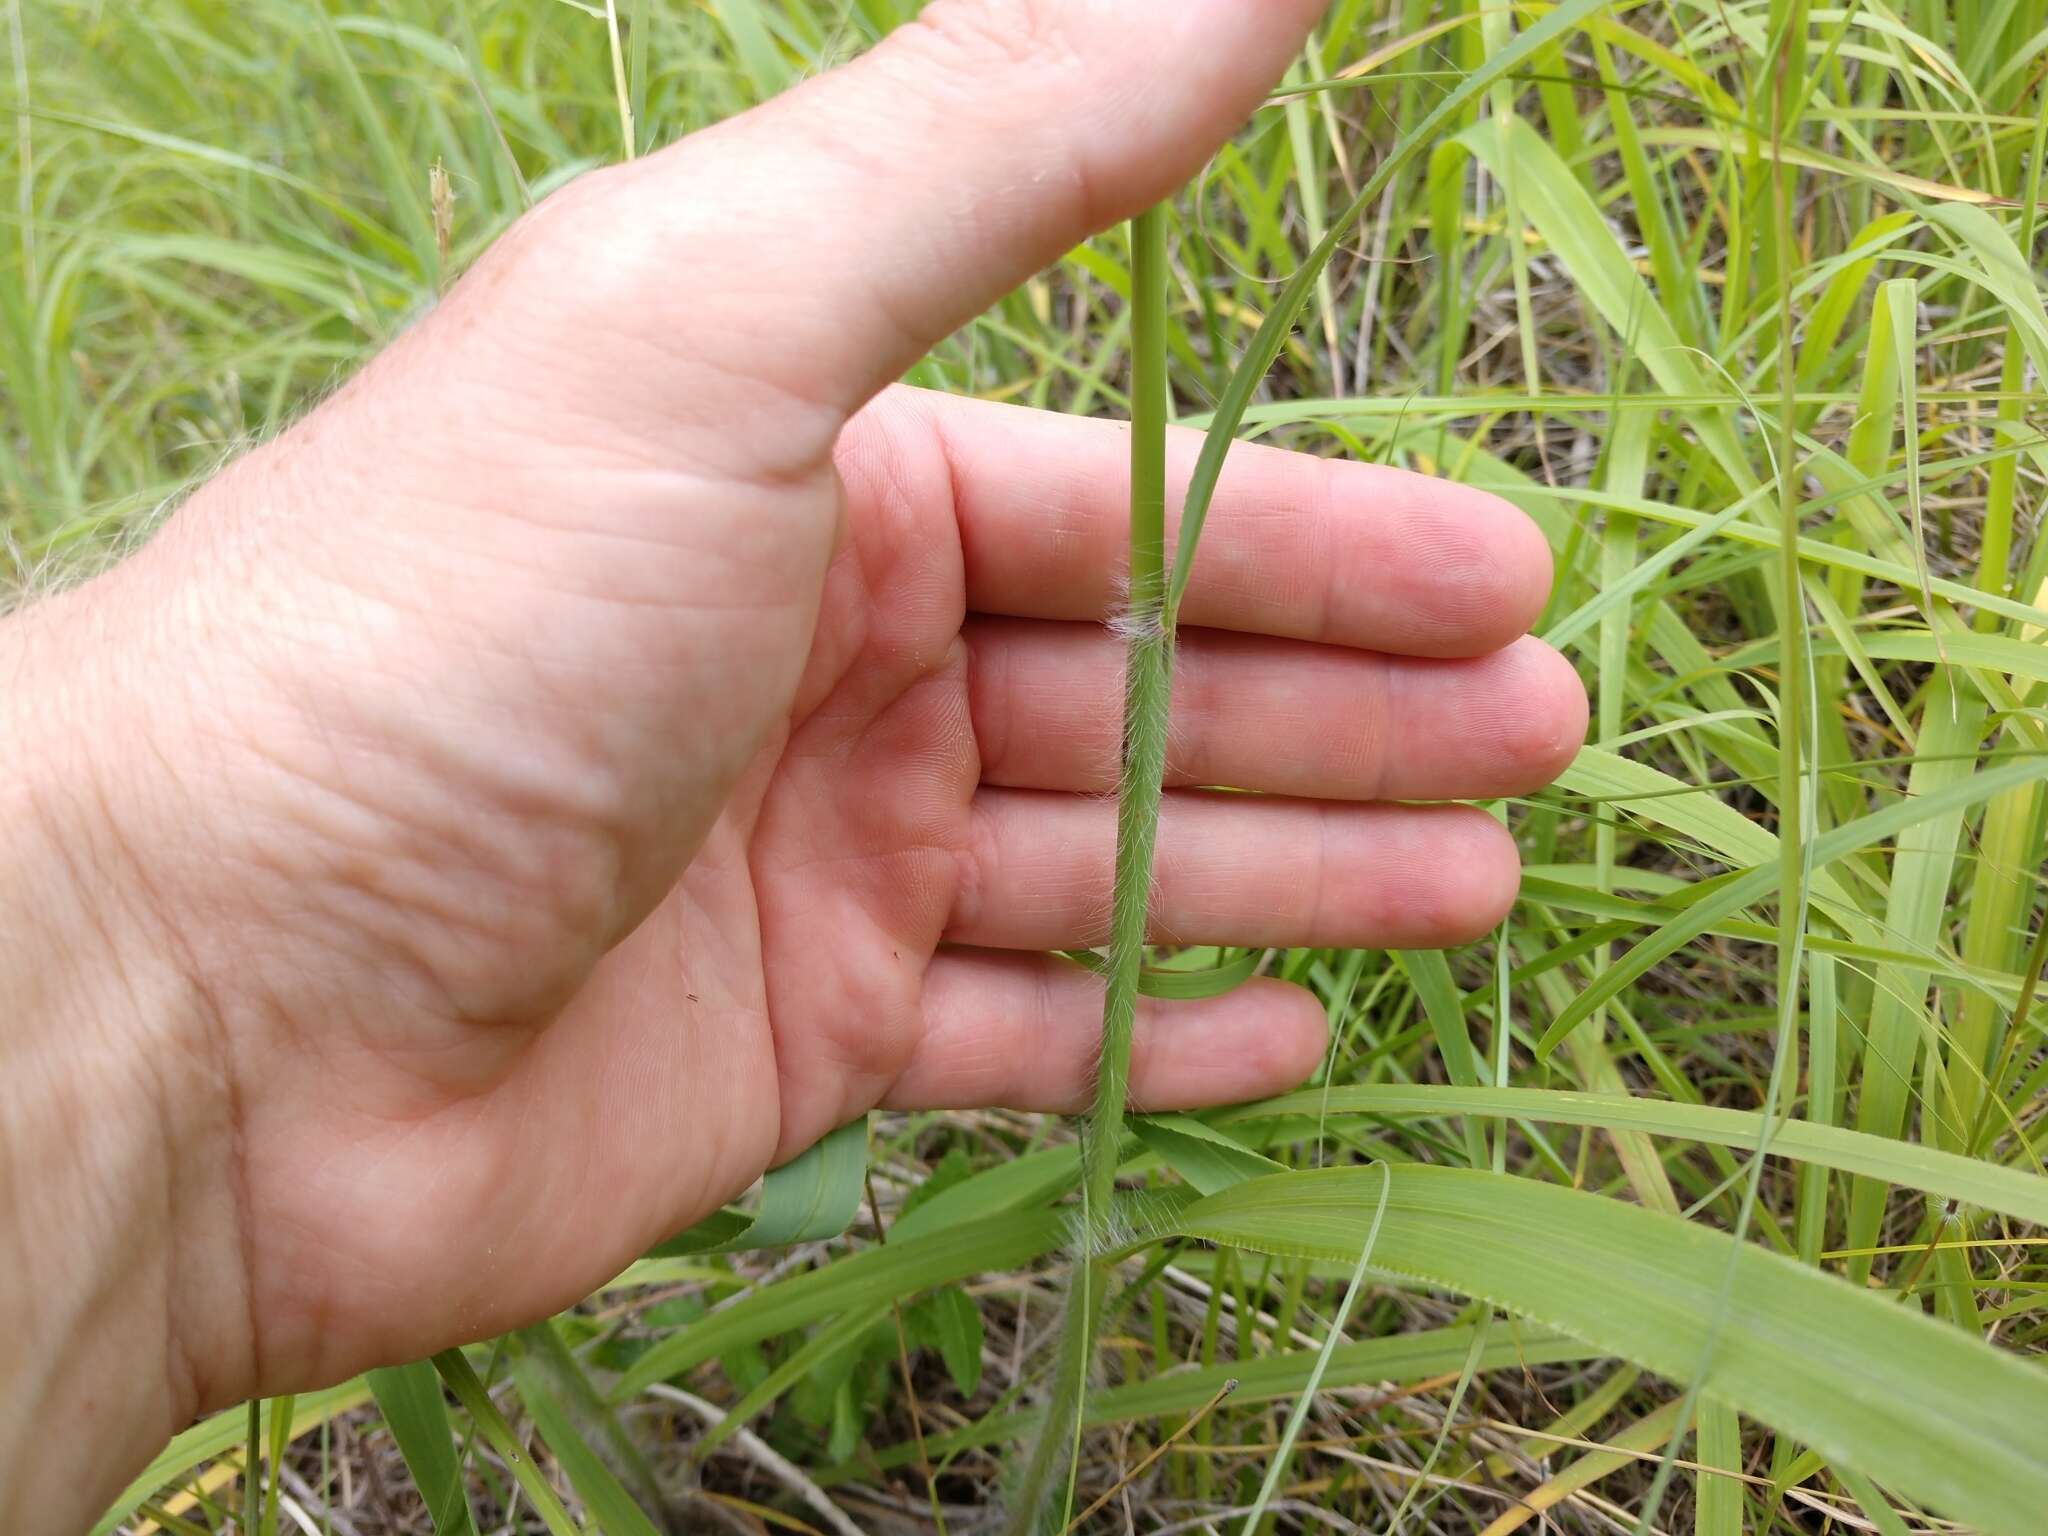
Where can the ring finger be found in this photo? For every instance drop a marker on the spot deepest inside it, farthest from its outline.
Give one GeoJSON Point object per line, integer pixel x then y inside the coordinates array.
{"type": "Point", "coordinates": [1237, 869]}
{"type": "Point", "coordinates": [1281, 716]}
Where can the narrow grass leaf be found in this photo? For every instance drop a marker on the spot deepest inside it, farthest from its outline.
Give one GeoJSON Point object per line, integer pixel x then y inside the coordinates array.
{"type": "Point", "coordinates": [409, 1397]}
{"type": "Point", "coordinates": [899, 1269]}
{"type": "Point", "coordinates": [1276, 1468]}
{"type": "Point", "coordinates": [1286, 308]}
{"type": "Point", "coordinates": [217, 1436]}
{"type": "Point", "coordinates": [1207, 1158]}
{"type": "Point", "coordinates": [1946, 1418]}
{"type": "Point", "coordinates": [610, 1506]}
{"type": "Point", "coordinates": [814, 1196]}
{"type": "Point", "coordinates": [1354, 1363]}
{"type": "Point", "coordinates": [461, 1378]}
{"type": "Point", "coordinates": [1988, 1186]}
{"type": "Point", "coordinates": [1753, 885]}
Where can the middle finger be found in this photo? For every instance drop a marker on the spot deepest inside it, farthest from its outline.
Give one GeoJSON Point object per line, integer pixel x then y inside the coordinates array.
{"type": "Point", "coordinates": [1236, 869]}
{"type": "Point", "coordinates": [1281, 716]}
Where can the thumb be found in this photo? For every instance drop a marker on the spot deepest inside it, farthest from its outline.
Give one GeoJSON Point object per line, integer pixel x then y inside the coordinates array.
{"type": "Point", "coordinates": [585, 509]}
{"type": "Point", "coordinates": [875, 209]}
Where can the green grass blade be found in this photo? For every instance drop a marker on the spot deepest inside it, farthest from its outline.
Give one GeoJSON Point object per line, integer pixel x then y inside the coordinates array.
{"type": "Point", "coordinates": [814, 1196]}
{"type": "Point", "coordinates": [611, 1508]}
{"type": "Point", "coordinates": [409, 1397]}
{"type": "Point", "coordinates": [217, 1436]}
{"type": "Point", "coordinates": [1276, 1468]}
{"type": "Point", "coordinates": [901, 1268]}
{"type": "Point", "coordinates": [1430, 974]}
{"type": "Point", "coordinates": [1880, 1388]}
{"type": "Point", "coordinates": [1034, 1179]}
{"type": "Point", "coordinates": [1754, 884]}
{"type": "Point", "coordinates": [1401, 1357]}
{"type": "Point", "coordinates": [1900, 1027]}
{"type": "Point", "coordinates": [812, 1356]}
{"type": "Point", "coordinates": [455, 1370]}
{"type": "Point", "coordinates": [1286, 308]}
{"type": "Point", "coordinates": [1571, 224]}
{"type": "Point", "coordinates": [405, 187]}
{"type": "Point", "coordinates": [580, 1426]}
{"type": "Point", "coordinates": [1910, 1164]}
{"type": "Point", "coordinates": [1204, 1156]}
{"type": "Point", "coordinates": [754, 45]}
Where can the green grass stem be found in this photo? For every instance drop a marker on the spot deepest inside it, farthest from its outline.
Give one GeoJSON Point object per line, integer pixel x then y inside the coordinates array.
{"type": "Point", "coordinates": [461, 1379]}
{"type": "Point", "coordinates": [1148, 687]}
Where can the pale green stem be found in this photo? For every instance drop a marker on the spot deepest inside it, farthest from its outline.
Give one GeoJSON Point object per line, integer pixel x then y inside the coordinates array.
{"type": "Point", "coordinates": [1795, 851]}
{"type": "Point", "coordinates": [1148, 686]}
{"type": "Point", "coordinates": [628, 132]}
{"type": "Point", "coordinates": [1155, 603]}
{"type": "Point", "coordinates": [252, 1465]}
{"type": "Point", "coordinates": [461, 1380]}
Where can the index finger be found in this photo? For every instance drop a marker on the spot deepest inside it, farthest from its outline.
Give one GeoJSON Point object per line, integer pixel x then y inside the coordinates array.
{"type": "Point", "coordinates": [1295, 546]}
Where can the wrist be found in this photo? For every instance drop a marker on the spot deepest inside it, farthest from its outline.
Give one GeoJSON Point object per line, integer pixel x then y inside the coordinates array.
{"type": "Point", "coordinates": [127, 1311]}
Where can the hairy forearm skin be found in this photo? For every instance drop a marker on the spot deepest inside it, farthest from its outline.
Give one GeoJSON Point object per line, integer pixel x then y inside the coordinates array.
{"type": "Point", "coordinates": [123, 1307]}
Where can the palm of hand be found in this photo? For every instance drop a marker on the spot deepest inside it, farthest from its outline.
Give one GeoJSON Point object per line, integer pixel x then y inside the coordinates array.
{"type": "Point", "coordinates": [568, 1092]}
{"type": "Point", "coordinates": [603, 831]}
{"type": "Point", "coordinates": [933, 779]}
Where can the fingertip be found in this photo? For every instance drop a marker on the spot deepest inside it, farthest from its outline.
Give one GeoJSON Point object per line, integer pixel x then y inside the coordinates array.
{"type": "Point", "coordinates": [1444, 569]}
{"type": "Point", "coordinates": [1548, 727]}
{"type": "Point", "coordinates": [1492, 570]}
{"type": "Point", "coordinates": [982, 138]}
{"type": "Point", "coordinates": [1487, 881]}
{"type": "Point", "coordinates": [1262, 1038]}
{"type": "Point", "coordinates": [1284, 1033]}
{"type": "Point", "coordinates": [1287, 1052]}
{"type": "Point", "coordinates": [1446, 876]}
{"type": "Point", "coordinates": [1532, 547]}
{"type": "Point", "coordinates": [1535, 558]}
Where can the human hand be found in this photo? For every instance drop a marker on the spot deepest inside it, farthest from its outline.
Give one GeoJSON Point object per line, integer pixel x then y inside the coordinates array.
{"type": "Point", "coordinates": [607, 746]}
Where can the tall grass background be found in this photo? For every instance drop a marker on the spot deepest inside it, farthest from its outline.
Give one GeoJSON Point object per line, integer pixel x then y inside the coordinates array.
{"type": "Point", "coordinates": [1709, 1193]}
